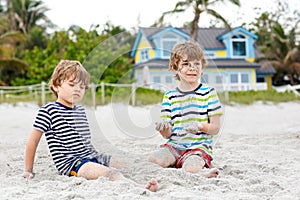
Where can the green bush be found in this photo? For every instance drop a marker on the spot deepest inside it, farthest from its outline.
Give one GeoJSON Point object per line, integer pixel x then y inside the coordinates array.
{"type": "Point", "coordinates": [249, 97]}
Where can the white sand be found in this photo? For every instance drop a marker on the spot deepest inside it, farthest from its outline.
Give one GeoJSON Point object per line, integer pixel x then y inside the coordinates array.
{"type": "Point", "coordinates": [258, 152]}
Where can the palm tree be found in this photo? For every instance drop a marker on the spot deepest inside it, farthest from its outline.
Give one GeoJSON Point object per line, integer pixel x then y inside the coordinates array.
{"type": "Point", "coordinates": [10, 66]}
{"type": "Point", "coordinates": [279, 50]}
{"type": "Point", "coordinates": [199, 7]}
{"type": "Point", "coordinates": [25, 14]}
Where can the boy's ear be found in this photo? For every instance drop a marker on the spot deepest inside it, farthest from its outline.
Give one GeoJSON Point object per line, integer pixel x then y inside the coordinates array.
{"type": "Point", "coordinates": [54, 87]}
{"type": "Point", "coordinates": [171, 68]}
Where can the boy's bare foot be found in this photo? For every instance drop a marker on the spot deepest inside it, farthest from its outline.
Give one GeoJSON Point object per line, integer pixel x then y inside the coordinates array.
{"type": "Point", "coordinates": [152, 185]}
{"type": "Point", "coordinates": [213, 172]}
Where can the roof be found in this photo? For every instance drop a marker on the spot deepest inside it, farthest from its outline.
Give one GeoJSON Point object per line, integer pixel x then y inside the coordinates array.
{"type": "Point", "coordinates": [266, 69]}
{"type": "Point", "coordinates": [232, 63]}
{"type": "Point", "coordinates": [207, 36]}
{"type": "Point", "coordinates": [212, 63]}
{"type": "Point", "coordinates": [220, 63]}
{"type": "Point", "coordinates": [236, 29]}
{"type": "Point", "coordinates": [154, 64]}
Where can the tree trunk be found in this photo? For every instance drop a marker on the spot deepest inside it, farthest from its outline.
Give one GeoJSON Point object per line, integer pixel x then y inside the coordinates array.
{"type": "Point", "coordinates": [195, 22]}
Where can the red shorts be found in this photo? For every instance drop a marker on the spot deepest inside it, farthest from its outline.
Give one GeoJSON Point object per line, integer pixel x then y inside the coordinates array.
{"type": "Point", "coordinates": [181, 155]}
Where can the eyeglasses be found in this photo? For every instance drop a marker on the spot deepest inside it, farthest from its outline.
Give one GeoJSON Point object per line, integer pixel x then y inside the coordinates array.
{"type": "Point", "coordinates": [185, 65]}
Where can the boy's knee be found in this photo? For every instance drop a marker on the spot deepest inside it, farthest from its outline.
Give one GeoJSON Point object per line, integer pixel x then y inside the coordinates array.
{"type": "Point", "coordinates": [153, 159]}
{"type": "Point", "coordinates": [193, 164]}
{"type": "Point", "coordinates": [158, 161]}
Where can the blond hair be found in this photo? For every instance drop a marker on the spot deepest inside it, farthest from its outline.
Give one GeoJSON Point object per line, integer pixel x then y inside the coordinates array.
{"type": "Point", "coordinates": [67, 69]}
{"type": "Point", "coordinates": [189, 49]}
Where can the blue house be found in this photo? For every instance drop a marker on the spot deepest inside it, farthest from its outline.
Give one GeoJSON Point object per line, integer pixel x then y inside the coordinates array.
{"type": "Point", "coordinates": [230, 54]}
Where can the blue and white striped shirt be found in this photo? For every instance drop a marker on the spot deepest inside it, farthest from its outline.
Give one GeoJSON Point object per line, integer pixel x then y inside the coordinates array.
{"type": "Point", "coordinates": [182, 108]}
{"type": "Point", "coordinates": [67, 133]}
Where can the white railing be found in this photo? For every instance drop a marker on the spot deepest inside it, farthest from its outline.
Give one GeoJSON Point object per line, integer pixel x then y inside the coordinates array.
{"type": "Point", "coordinates": [243, 86]}
{"type": "Point", "coordinates": [35, 91]}
{"type": "Point", "coordinates": [39, 91]}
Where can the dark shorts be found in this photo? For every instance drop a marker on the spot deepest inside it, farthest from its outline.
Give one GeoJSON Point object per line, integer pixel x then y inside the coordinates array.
{"type": "Point", "coordinates": [101, 159]}
{"type": "Point", "coordinates": [181, 155]}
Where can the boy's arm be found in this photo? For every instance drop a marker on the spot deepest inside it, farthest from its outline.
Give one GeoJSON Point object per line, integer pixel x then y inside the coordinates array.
{"type": "Point", "coordinates": [213, 127]}
{"type": "Point", "coordinates": [31, 147]}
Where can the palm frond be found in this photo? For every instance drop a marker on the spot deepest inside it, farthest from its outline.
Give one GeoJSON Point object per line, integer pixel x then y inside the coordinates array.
{"type": "Point", "coordinates": [11, 37]}
{"type": "Point", "coordinates": [218, 16]}
{"type": "Point", "coordinates": [14, 63]}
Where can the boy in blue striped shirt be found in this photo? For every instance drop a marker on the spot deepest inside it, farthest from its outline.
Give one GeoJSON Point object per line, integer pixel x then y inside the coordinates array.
{"type": "Point", "coordinates": [190, 115]}
{"type": "Point", "coordinates": [67, 132]}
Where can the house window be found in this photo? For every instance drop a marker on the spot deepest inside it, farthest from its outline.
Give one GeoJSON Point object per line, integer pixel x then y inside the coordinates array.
{"type": "Point", "coordinates": [169, 79]}
{"type": "Point", "coordinates": [239, 46]}
{"type": "Point", "coordinates": [144, 54]}
{"type": "Point", "coordinates": [245, 78]}
{"type": "Point", "coordinates": [219, 79]}
{"type": "Point", "coordinates": [167, 47]}
{"type": "Point", "coordinates": [168, 42]}
{"type": "Point", "coordinates": [234, 78]}
{"type": "Point", "coordinates": [156, 79]}
{"type": "Point", "coordinates": [261, 79]}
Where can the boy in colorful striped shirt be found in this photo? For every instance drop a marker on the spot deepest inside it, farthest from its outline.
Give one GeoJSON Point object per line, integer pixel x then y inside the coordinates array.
{"type": "Point", "coordinates": [190, 115]}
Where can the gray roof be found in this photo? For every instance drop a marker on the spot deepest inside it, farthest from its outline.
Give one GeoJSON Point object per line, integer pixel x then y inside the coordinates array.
{"type": "Point", "coordinates": [207, 37]}
{"type": "Point", "coordinates": [266, 69]}
{"type": "Point", "coordinates": [232, 63]}
{"type": "Point", "coordinates": [154, 64]}
{"type": "Point", "coordinates": [220, 63]}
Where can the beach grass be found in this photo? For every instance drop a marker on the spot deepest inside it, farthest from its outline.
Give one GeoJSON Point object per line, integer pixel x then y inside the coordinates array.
{"type": "Point", "coordinates": [249, 97]}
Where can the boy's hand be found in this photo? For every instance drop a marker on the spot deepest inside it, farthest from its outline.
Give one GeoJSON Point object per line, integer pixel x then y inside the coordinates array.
{"type": "Point", "coordinates": [29, 175]}
{"type": "Point", "coordinates": [193, 127]}
{"type": "Point", "coordinates": [163, 125]}
{"type": "Point", "coordinates": [164, 128]}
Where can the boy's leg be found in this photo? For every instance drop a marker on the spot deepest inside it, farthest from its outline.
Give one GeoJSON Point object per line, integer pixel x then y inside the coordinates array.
{"type": "Point", "coordinates": [91, 171]}
{"type": "Point", "coordinates": [162, 157]}
{"type": "Point", "coordinates": [195, 164]}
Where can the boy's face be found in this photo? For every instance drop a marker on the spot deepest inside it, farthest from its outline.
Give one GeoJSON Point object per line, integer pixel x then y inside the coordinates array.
{"type": "Point", "coordinates": [70, 92]}
{"type": "Point", "coordinates": [190, 71]}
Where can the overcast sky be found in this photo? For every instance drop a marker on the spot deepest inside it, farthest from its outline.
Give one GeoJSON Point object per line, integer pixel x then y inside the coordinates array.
{"type": "Point", "coordinates": [134, 13]}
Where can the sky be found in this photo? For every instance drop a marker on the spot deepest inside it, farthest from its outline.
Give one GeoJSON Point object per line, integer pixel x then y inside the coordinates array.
{"type": "Point", "coordinates": [141, 13]}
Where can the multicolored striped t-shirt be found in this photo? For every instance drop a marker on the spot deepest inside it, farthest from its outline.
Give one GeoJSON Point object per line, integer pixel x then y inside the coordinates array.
{"type": "Point", "coordinates": [182, 108]}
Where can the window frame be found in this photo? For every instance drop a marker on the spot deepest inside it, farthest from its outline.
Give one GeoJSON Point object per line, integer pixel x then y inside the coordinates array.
{"type": "Point", "coordinates": [239, 38]}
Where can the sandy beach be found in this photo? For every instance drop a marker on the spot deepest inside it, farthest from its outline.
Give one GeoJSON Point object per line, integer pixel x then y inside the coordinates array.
{"type": "Point", "coordinates": [257, 152]}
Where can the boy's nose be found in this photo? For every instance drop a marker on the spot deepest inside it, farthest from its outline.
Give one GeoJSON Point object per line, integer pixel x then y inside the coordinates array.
{"type": "Point", "coordinates": [77, 87]}
{"type": "Point", "coordinates": [192, 68]}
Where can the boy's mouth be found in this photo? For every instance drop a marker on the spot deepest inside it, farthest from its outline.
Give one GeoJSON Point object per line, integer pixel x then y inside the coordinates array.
{"type": "Point", "coordinates": [76, 95]}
